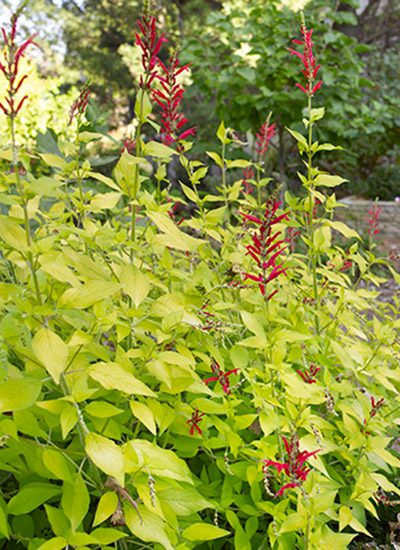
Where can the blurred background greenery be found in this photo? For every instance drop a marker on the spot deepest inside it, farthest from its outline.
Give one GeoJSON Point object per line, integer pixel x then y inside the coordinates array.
{"type": "Point", "coordinates": [241, 70]}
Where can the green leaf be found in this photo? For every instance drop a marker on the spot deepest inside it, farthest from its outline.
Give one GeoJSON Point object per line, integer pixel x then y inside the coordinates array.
{"type": "Point", "coordinates": [203, 531]}
{"type": "Point", "coordinates": [144, 414]}
{"type": "Point", "coordinates": [172, 236]}
{"type": "Point", "coordinates": [19, 393]}
{"type": "Point", "coordinates": [239, 163]}
{"type": "Point", "coordinates": [161, 462]}
{"type": "Point", "coordinates": [90, 293]}
{"type": "Point", "coordinates": [104, 179]}
{"type": "Point", "coordinates": [184, 500]}
{"type": "Point", "coordinates": [221, 133]}
{"type": "Point", "coordinates": [317, 114]}
{"type": "Point", "coordinates": [142, 105]}
{"type": "Point", "coordinates": [12, 233]}
{"type": "Point", "coordinates": [75, 501]}
{"type": "Point", "coordinates": [32, 496]}
{"type": "Point", "coordinates": [294, 522]}
{"type": "Point", "coordinates": [252, 323]}
{"type": "Point", "coordinates": [68, 419]}
{"type": "Point", "coordinates": [4, 529]}
{"type": "Point", "coordinates": [345, 517]}
{"type": "Point", "coordinates": [54, 544]}
{"type": "Point", "coordinates": [148, 527]}
{"type": "Point", "coordinates": [104, 535]}
{"type": "Point", "coordinates": [104, 201]}
{"type": "Point", "coordinates": [134, 283]}
{"type": "Point", "coordinates": [216, 158]}
{"type": "Point", "coordinates": [51, 351]}
{"type": "Point", "coordinates": [107, 505]}
{"type": "Point", "coordinates": [191, 195]}
{"type": "Point", "coordinates": [106, 455]}
{"type": "Point", "coordinates": [57, 464]}
{"type": "Point", "coordinates": [298, 137]}
{"type": "Point", "coordinates": [55, 161]}
{"type": "Point", "coordinates": [343, 229]}
{"type": "Point", "coordinates": [102, 409]}
{"type": "Point", "coordinates": [158, 150]}
{"type": "Point", "coordinates": [327, 180]}
{"type": "Point", "coordinates": [113, 377]}
{"type": "Point", "coordinates": [58, 521]}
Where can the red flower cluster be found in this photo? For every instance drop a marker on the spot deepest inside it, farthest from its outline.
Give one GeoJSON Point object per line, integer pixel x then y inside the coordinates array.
{"type": "Point", "coordinates": [248, 174]}
{"type": "Point", "coordinates": [80, 104]}
{"type": "Point", "coordinates": [194, 421]}
{"type": "Point", "coordinates": [310, 68]}
{"type": "Point", "coordinates": [294, 467]}
{"type": "Point", "coordinates": [265, 249]}
{"type": "Point", "coordinates": [150, 46]}
{"type": "Point", "coordinates": [13, 55]}
{"type": "Point", "coordinates": [221, 377]}
{"type": "Point", "coordinates": [263, 138]}
{"type": "Point", "coordinates": [309, 375]}
{"type": "Point", "coordinates": [373, 221]}
{"type": "Point", "coordinates": [169, 99]}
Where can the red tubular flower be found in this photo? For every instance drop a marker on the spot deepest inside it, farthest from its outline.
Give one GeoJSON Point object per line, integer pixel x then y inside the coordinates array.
{"type": "Point", "coordinates": [150, 45]}
{"type": "Point", "coordinates": [194, 421]}
{"type": "Point", "coordinates": [310, 68]}
{"type": "Point", "coordinates": [294, 467]}
{"type": "Point", "coordinates": [248, 174]}
{"type": "Point", "coordinates": [169, 99]}
{"type": "Point", "coordinates": [265, 249]}
{"type": "Point", "coordinates": [80, 104]}
{"type": "Point", "coordinates": [309, 375]}
{"type": "Point", "coordinates": [13, 55]}
{"type": "Point", "coordinates": [373, 221]}
{"type": "Point", "coordinates": [263, 138]}
{"type": "Point", "coordinates": [221, 377]}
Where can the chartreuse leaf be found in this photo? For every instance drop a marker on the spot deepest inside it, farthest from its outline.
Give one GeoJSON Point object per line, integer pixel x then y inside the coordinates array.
{"type": "Point", "coordinates": [172, 236]}
{"type": "Point", "coordinates": [51, 351]}
{"type": "Point", "coordinates": [90, 293]}
{"type": "Point", "coordinates": [343, 229]}
{"type": "Point", "coordinates": [102, 409]}
{"type": "Point", "coordinates": [106, 455]}
{"type": "Point", "coordinates": [4, 529]}
{"type": "Point", "coordinates": [158, 150]}
{"type": "Point", "coordinates": [327, 180]}
{"type": "Point", "coordinates": [19, 393]}
{"type": "Point", "coordinates": [75, 501]}
{"type": "Point", "coordinates": [57, 464]}
{"type": "Point", "coordinates": [134, 283]}
{"type": "Point", "coordinates": [294, 522]}
{"type": "Point", "coordinates": [216, 158]}
{"type": "Point", "coordinates": [160, 462]}
{"type": "Point", "coordinates": [144, 414]}
{"type": "Point", "coordinates": [184, 499]}
{"type": "Point", "coordinates": [31, 496]}
{"type": "Point", "coordinates": [148, 527]}
{"type": "Point", "coordinates": [113, 377]}
{"type": "Point", "coordinates": [107, 505]}
{"type": "Point", "coordinates": [203, 531]}
{"type": "Point", "coordinates": [12, 233]}
{"type": "Point", "coordinates": [54, 544]}
{"type": "Point", "coordinates": [345, 517]}
{"type": "Point", "coordinates": [58, 521]}
{"type": "Point", "coordinates": [106, 536]}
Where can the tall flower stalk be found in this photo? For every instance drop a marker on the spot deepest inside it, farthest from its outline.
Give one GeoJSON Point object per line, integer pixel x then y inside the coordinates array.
{"type": "Point", "coordinates": [310, 87]}
{"type": "Point", "coordinates": [263, 137]}
{"type": "Point", "coordinates": [11, 108]}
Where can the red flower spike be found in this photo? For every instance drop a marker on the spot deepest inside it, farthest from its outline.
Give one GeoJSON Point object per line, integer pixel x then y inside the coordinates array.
{"type": "Point", "coordinates": [310, 68]}
{"type": "Point", "coordinates": [194, 421]}
{"type": "Point", "coordinates": [294, 467]}
{"type": "Point", "coordinates": [263, 137]}
{"type": "Point", "coordinates": [150, 45]}
{"type": "Point", "coordinates": [264, 245]}
{"type": "Point", "coordinates": [373, 221]}
{"type": "Point", "coordinates": [10, 70]}
{"type": "Point", "coordinates": [309, 375]}
{"type": "Point", "coordinates": [169, 99]}
{"type": "Point", "coordinates": [221, 377]}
